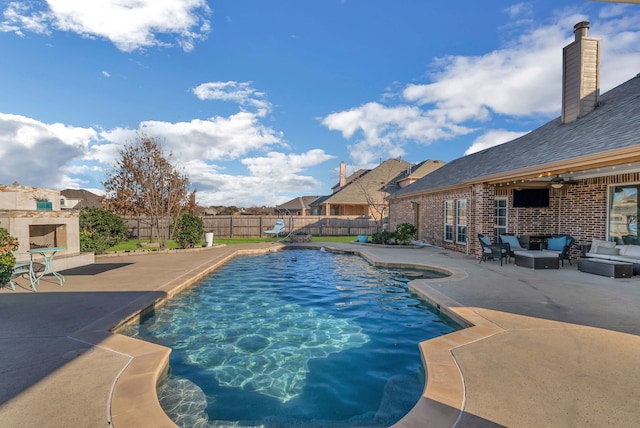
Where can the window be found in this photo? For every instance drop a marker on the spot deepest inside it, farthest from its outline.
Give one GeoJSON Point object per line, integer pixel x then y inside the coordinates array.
{"type": "Point", "coordinates": [448, 221]}
{"type": "Point", "coordinates": [44, 205]}
{"type": "Point", "coordinates": [461, 220]}
{"type": "Point", "coordinates": [623, 214]}
{"type": "Point", "coordinates": [501, 215]}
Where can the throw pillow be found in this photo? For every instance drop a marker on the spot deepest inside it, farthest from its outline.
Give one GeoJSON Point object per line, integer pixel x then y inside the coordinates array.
{"type": "Point", "coordinates": [596, 243]}
{"type": "Point", "coordinates": [608, 251]}
{"type": "Point", "coordinates": [511, 240]}
{"type": "Point", "coordinates": [556, 244]}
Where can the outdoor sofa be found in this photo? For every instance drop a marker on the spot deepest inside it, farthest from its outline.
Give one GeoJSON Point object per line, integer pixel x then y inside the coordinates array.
{"type": "Point", "coordinates": [609, 250]}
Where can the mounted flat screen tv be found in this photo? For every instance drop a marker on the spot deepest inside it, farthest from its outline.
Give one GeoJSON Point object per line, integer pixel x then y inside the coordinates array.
{"type": "Point", "coordinates": [532, 198]}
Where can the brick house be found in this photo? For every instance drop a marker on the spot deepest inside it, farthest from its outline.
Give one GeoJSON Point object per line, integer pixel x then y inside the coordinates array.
{"type": "Point", "coordinates": [362, 193]}
{"type": "Point", "coordinates": [578, 174]}
{"type": "Point", "coordinates": [365, 192]}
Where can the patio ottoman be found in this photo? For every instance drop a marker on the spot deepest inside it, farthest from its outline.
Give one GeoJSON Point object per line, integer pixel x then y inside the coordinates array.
{"type": "Point", "coordinates": [610, 268]}
{"type": "Point", "coordinates": [535, 259]}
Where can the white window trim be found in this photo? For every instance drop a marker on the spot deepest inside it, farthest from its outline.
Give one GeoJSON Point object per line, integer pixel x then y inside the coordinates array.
{"type": "Point", "coordinates": [453, 226]}
{"type": "Point", "coordinates": [458, 224]}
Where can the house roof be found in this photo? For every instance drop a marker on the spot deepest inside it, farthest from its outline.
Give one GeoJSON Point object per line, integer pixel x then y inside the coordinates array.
{"type": "Point", "coordinates": [299, 203]}
{"type": "Point", "coordinates": [86, 198]}
{"type": "Point", "coordinates": [419, 170]}
{"type": "Point", "coordinates": [369, 183]}
{"type": "Point", "coordinates": [613, 126]}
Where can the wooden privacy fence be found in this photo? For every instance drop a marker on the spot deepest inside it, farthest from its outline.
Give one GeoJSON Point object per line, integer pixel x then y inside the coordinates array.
{"type": "Point", "coordinates": [234, 226]}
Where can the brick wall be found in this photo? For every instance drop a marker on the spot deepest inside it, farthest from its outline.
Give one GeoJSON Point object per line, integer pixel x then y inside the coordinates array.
{"type": "Point", "coordinates": [578, 210]}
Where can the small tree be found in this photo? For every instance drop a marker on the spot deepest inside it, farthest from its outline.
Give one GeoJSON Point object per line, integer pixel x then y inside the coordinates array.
{"type": "Point", "coordinates": [188, 230]}
{"type": "Point", "coordinates": [100, 230]}
{"type": "Point", "coordinates": [144, 182]}
{"type": "Point", "coordinates": [7, 260]}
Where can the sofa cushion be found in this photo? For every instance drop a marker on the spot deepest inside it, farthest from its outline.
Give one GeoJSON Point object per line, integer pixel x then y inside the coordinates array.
{"type": "Point", "coordinates": [556, 244]}
{"type": "Point", "coordinates": [609, 251]}
{"type": "Point", "coordinates": [600, 243]}
{"type": "Point", "coordinates": [629, 250]}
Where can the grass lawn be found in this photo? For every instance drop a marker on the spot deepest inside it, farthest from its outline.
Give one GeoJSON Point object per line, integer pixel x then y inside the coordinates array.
{"type": "Point", "coordinates": [132, 245]}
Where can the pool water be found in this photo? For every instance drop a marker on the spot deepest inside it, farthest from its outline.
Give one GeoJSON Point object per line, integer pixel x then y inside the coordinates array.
{"type": "Point", "coordinates": [294, 338]}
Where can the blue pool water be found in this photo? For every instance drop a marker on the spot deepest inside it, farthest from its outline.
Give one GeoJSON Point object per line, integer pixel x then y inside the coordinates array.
{"type": "Point", "coordinates": [294, 338]}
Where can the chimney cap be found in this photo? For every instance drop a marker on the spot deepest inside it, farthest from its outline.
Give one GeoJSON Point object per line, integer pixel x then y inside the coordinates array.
{"type": "Point", "coordinates": [581, 29]}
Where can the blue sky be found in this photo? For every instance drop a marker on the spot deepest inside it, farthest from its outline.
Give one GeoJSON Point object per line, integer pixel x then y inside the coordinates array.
{"type": "Point", "coordinates": [259, 101]}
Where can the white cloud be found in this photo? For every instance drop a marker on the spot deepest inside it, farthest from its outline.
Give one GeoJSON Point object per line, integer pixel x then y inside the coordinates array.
{"type": "Point", "coordinates": [36, 153]}
{"type": "Point", "coordinates": [128, 25]}
{"type": "Point", "coordinates": [520, 81]}
{"type": "Point", "coordinates": [214, 139]}
{"type": "Point", "coordinates": [106, 74]}
{"type": "Point", "coordinates": [385, 130]}
{"type": "Point", "coordinates": [59, 156]}
{"type": "Point", "coordinates": [17, 17]}
{"type": "Point", "coordinates": [239, 92]}
{"type": "Point", "coordinates": [269, 179]}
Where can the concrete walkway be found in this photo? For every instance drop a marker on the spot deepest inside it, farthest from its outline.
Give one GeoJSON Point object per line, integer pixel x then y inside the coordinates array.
{"type": "Point", "coordinates": [544, 348]}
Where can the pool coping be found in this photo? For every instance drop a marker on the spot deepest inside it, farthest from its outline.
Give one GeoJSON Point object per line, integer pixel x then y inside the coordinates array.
{"type": "Point", "coordinates": [133, 399]}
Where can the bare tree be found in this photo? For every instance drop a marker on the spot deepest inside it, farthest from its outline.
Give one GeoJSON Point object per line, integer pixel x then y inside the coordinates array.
{"type": "Point", "coordinates": [143, 182]}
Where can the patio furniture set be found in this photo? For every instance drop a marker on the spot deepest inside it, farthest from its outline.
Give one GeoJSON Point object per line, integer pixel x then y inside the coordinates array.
{"type": "Point", "coordinates": [604, 258]}
{"type": "Point", "coordinates": [546, 255]}
{"type": "Point", "coordinates": [37, 268]}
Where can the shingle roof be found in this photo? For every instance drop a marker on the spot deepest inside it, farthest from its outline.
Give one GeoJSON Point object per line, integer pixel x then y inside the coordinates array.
{"type": "Point", "coordinates": [369, 184]}
{"type": "Point", "coordinates": [299, 203]}
{"type": "Point", "coordinates": [86, 198]}
{"type": "Point", "coordinates": [614, 124]}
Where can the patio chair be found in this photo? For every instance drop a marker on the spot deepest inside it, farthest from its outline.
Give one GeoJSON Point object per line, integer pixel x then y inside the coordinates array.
{"type": "Point", "coordinates": [278, 228]}
{"type": "Point", "coordinates": [560, 244]}
{"type": "Point", "coordinates": [21, 268]}
{"type": "Point", "coordinates": [494, 251]}
{"type": "Point", "coordinates": [513, 242]}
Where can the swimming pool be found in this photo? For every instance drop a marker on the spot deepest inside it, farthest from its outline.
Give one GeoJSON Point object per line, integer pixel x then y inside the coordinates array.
{"type": "Point", "coordinates": [294, 338]}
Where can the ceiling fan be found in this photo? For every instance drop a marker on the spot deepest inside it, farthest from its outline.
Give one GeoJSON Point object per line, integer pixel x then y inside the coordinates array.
{"type": "Point", "coordinates": [558, 182]}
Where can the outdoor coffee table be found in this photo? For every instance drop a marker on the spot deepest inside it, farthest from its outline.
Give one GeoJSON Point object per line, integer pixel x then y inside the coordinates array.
{"type": "Point", "coordinates": [536, 259]}
{"type": "Point", "coordinates": [610, 268]}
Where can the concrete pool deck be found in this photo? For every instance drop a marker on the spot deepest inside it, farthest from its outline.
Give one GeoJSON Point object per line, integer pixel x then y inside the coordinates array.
{"type": "Point", "coordinates": [547, 347]}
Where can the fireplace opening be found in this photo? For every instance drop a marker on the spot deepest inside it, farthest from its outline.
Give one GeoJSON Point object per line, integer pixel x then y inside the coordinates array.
{"type": "Point", "coordinates": [47, 236]}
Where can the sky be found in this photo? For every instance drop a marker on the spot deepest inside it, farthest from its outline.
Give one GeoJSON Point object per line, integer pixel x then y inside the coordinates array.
{"type": "Point", "coordinates": [258, 101]}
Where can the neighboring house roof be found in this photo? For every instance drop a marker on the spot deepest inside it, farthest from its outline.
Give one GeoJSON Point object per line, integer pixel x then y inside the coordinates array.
{"type": "Point", "coordinates": [86, 198]}
{"type": "Point", "coordinates": [612, 126]}
{"type": "Point", "coordinates": [416, 172]}
{"type": "Point", "coordinates": [298, 204]}
{"type": "Point", "coordinates": [370, 183]}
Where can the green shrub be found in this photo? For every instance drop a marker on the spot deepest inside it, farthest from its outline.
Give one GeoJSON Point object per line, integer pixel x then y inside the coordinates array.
{"type": "Point", "coordinates": [7, 244]}
{"type": "Point", "coordinates": [189, 230]}
{"type": "Point", "coordinates": [100, 229]}
{"type": "Point", "coordinates": [404, 234]}
{"type": "Point", "coordinates": [383, 237]}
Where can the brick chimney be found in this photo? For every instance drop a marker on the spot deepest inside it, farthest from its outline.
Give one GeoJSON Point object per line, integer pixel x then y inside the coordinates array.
{"type": "Point", "coordinates": [580, 74]}
{"type": "Point", "coordinates": [343, 174]}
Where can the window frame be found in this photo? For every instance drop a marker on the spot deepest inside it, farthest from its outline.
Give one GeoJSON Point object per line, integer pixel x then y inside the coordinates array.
{"type": "Point", "coordinates": [449, 220]}
{"type": "Point", "coordinates": [499, 229]}
{"type": "Point", "coordinates": [461, 228]}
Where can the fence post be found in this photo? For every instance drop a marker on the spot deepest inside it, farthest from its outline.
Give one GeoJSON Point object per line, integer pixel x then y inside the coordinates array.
{"type": "Point", "coordinates": [231, 226]}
